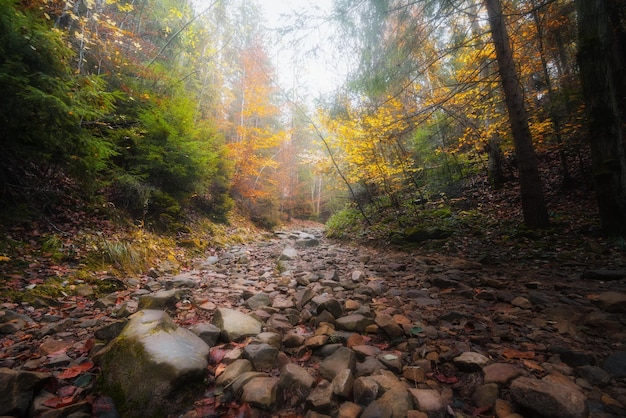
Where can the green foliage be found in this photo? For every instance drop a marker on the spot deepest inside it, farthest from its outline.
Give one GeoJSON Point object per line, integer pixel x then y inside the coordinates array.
{"type": "Point", "coordinates": [344, 224]}
{"type": "Point", "coordinates": [44, 105]}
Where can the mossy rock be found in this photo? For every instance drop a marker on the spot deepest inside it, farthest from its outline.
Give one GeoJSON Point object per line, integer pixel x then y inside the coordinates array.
{"type": "Point", "coordinates": [154, 368]}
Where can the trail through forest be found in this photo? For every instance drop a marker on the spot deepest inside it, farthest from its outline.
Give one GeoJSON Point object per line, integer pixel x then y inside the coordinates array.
{"type": "Point", "coordinates": [328, 329]}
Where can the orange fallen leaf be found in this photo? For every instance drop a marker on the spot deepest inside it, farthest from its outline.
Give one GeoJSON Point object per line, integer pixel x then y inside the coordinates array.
{"type": "Point", "coordinates": [513, 353]}
{"type": "Point", "coordinates": [533, 365]}
{"type": "Point", "coordinates": [220, 369]}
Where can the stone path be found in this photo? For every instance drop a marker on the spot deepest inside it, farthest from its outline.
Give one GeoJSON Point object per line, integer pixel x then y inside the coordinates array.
{"type": "Point", "coordinates": [299, 326]}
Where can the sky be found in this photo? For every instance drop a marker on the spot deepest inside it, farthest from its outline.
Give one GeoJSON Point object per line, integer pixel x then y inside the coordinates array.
{"type": "Point", "coordinates": [312, 75]}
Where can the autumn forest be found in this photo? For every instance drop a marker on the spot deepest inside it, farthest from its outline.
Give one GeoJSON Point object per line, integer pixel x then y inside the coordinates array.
{"type": "Point", "coordinates": [158, 113]}
{"type": "Point", "coordinates": [353, 208]}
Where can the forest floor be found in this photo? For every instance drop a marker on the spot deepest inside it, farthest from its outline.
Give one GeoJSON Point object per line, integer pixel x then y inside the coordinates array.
{"type": "Point", "coordinates": [538, 300]}
{"type": "Point", "coordinates": [538, 314]}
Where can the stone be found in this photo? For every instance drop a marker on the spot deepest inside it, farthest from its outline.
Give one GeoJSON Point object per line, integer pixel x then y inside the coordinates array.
{"type": "Point", "coordinates": [522, 302]}
{"type": "Point", "coordinates": [240, 381]}
{"type": "Point", "coordinates": [262, 356]}
{"type": "Point", "coordinates": [594, 375]}
{"type": "Point", "coordinates": [163, 299]}
{"type": "Point", "coordinates": [388, 380]}
{"type": "Point", "coordinates": [549, 398]}
{"type": "Point", "coordinates": [343, 358]}
{"type": "Point", "coordinates": [397, 400]}
{"type": "Point", "coordinates": [349, 410]}
{"type": "Point", "coordinates": [261, 392]}
{"type": "Point", "coordinates": [289, 253]}
{"type": "Point", "coordinates": [258, 301]}
{"type": "Point", "coordinates": [294, 377]}
{"type": "Point", "coordinates": [282, 302]}
{"type": "Point", "coordinates": [209, 333]}
{"type": "Point", "coordinates": [377, 409]}
{"type": "Point", "coordinates": [429, 401]}
{"type": "Point", "coordinates": [271, 338]}
{"type": "Point", "coordinates": [392, 361]}
{"type": "Point", "coordinates": [293, 340]}
{"type": "Point", "coordinates": [232, 371]}
{"type": "Point", "coordinates": [17, 389]}
{"type": "Point", "coordinates": [368, 367]}
{"type": "Point", "coordinates": [612, 302]}
{"type": "Point", "coordinates": [354, 322]}
{"type": "Point", "coordinates": [235, 325]}
{"type": "Point", "coordinates": [503, 408]}
{"type": "Point", "coordinates": [387, 323]}
{"type": "Point", "coordinates": [615, 364]}
{"type": "Point", "coordinates": [365, 390]}
{"type": "Point", "coordinates": [485, 396]}
{"type": "Point", "coordinates": [414, 374]}
{"type": "Point", "coordinates": [342, 383]}
{"type": "Point", "coordinates": [470, 361]}
{"type": "Point", "coordinates": [363, 351]}
{"type": "Point", "coordinates": [279, 323]}
{"type": "Point", "coordinates": [321, 399]}
{"type": "Point", "coordinates": [151, 359]}
{"type": "Point", "coordinates": [333, 307]}
{"type": "Point", "coordinates": [501, 373]}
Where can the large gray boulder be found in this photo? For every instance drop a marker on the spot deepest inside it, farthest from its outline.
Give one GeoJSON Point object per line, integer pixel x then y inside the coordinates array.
{"type": "Point", "coordinates": [153, 367]}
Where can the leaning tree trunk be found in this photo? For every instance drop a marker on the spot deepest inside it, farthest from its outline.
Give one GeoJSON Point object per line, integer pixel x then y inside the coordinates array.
{"type": "Point", "coordinates": [602, 72]}
{"type": "Point", "coordinates": [533, 203]}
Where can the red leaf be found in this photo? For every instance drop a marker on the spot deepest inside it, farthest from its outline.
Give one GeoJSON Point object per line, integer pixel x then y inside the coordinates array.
{"type": "Point", "coordinates": [59, 402]}
{"type": "Point", "coordinates": [67, 391]}
{"type": "Point", "coordinates": [74, 371]}
{"type": "Point", "coordinates": [445, 379]}
{"type": "Point", "coordinates": [89, 344]}
{"type": "Point", "coordinates": [216, 356]}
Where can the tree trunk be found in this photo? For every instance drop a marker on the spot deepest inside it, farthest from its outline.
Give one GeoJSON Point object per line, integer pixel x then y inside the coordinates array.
{"type": "Point", "coordinates": [533, 203]}
{"type": "Point", "coordinates": [601, 60]}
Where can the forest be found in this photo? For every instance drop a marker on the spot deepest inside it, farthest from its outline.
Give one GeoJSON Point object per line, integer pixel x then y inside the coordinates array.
{"type": "Point", "coordinates": [160, 115]}
{"type": "Point", "coordinates": [375, 208]}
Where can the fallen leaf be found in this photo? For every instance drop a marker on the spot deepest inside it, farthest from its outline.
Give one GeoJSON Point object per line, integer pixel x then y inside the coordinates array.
{"type": "Point", "coordinates": [533, 365]}
{"type": "Point", "coordinates": [74, 371]}
{"type": "Point", "coordinates": [445, 379]}
{"type": "Point", "coordinates": [220, 369]}
{"type": "Point", "coordinates": [216, 355]}
{"type": "Point", "coordinates": [513, 353]}
{"type": "Point", "coordinates": [59, 402]}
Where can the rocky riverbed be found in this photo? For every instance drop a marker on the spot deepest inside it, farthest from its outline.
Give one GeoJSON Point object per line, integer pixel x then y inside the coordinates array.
{"type": "Point", "coordinates": [295, 325]}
